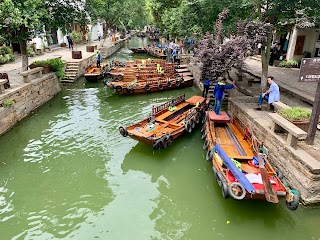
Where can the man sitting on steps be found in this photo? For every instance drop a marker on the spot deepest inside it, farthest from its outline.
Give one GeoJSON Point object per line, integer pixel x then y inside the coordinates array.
{"type": "Point", "coordinates": [271, 95]}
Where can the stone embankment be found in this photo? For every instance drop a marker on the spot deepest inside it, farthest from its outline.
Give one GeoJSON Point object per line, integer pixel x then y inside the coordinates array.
{"type": "Point", "coordinates": [24, 97]}
{"type": "Point", "coordinates": [299, 165]}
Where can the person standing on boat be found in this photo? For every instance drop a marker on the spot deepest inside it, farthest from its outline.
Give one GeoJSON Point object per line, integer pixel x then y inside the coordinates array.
{"type": "Point", "coordinates": [174, 54]}
{"type": "Point", "coordinates": [218, 93]}
{"type": "Point", "coordinates": [98, 59]}
{"type": "Point", "coordinates": [271, 95]}
{"type": "Point", "coordinates": [206, 87]}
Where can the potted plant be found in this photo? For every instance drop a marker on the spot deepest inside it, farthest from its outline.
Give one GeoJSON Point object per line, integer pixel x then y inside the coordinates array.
{"type": "Point", "coordinates": [89, 48]}
{"type": "Point", "coordinates": [41, 63]}
{"type": "Point", "coordinates": [76, 38]}
{"type": "Point", "coordinates": [298, 116]}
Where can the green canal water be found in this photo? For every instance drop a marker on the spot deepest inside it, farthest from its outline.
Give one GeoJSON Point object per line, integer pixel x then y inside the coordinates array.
{"type": "Point", "coordinates": [67, 173]}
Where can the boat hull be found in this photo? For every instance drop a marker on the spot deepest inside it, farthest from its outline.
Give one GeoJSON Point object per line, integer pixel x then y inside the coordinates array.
{"type": "Point", "coordinates": [235, 140]}
{"type": "Point", "coordinates": [167, 122]}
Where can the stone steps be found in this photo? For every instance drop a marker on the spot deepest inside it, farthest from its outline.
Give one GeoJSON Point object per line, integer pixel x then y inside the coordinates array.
{"type": "Point", "coordinates": [71, 72]}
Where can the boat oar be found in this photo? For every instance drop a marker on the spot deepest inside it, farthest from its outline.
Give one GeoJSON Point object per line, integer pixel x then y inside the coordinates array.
{"type": "Point", "coordinates": [269, 193]}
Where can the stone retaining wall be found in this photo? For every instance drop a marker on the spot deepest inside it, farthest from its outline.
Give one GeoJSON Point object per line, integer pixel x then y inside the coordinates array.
{"type": "Point", "coordinates": [196, 72]}
{"type": "Point", "coordinates": [108, 51]}
{"type": "Point", "coordinates": [300, 170]}
{"type": "Point", "coordinates": [27, 98]}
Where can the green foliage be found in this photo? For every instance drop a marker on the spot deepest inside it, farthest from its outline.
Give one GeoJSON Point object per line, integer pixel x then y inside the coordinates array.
{"type": "Point", "coordinates": [30, 52]}
{"type": "Point", "coordinates": [3, 59]}
{"type": "Point", "coordinates": [5, 50]}
{"type": "Point", "coordinates": [295, 113]}
{"type": "Point", "coordinates": [8, 103]}
{"type": "Point", "coordinates": [56, 65]}
{"type": "Point", "coordinates": [76, 37]}
{"type": "Point", "coordinates": [289, 64]}
{"type": "Point", "coordinates": [11, 57]}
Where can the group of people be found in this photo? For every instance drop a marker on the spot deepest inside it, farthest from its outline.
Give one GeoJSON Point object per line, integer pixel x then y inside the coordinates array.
{"type": "Point", "coordinates": [270, 96]}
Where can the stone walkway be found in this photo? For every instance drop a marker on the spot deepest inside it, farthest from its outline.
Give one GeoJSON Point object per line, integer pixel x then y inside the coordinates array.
{"type": "Point", "coordinates": [13, 69]}
{"type": "Point", "coordinates": [293, 93]}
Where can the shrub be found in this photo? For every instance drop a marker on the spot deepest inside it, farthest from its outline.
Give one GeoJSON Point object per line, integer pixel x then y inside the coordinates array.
{"type": "Point", "coordinates": [8, 102]}
{"type": "Point", "coordinates": [56, 65]}
{"type": "Point", "coordinates": [5, 50]}
{"type": "Point", "coordinates": [76, 37]}
{"type": "Point", "coordinates": [30, 52]}
{"type": "Point", "coordinates": [41, 63]}
{"type": "Point", "coordinates": [289, 64]}
{"type": "Point", "coordinates": [296, 113]}
{"type": "Point", "coordinates": [11, 57]}
{"type": "Point", "coordinates": [3, 59]}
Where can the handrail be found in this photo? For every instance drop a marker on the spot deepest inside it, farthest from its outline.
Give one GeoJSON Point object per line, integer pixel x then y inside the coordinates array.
{"type": "Point", "coordinates": [165, 105]}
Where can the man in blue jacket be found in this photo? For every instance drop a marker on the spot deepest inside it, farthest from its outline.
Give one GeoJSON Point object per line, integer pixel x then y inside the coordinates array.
{"type": "Point", "coordinates": [218, 93]}
{"type": "Point", "coordinates": [206, 87]}
{"type": "Point", "coordinates": [98, 58]}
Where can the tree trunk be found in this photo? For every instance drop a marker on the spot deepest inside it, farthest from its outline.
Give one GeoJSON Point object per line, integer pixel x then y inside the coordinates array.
{"type": "Point", "coordinates": [23, 47]}
{"type": "Point", "coordinates": [265, 57]}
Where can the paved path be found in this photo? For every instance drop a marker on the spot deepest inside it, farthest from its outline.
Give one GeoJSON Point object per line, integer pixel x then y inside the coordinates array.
{"type": "Point", "coordinates": [13, 69]}
{"type": "Point", "coordinates": [287, 79]}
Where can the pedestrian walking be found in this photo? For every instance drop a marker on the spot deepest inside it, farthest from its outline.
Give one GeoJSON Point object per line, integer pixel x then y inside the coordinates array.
{"type": "Point", "coordinates": [98, 59]}
{"type": "Point", "coordinates": [218, 93]}
{"type": "Point", "coordinates": [99, 36]}
{"type": "Point", "coordinates": [174, 55]}
{"type": "Point", "coordinates": [70, 42]}
{"type": "Point", "coordinates": [271, 95]}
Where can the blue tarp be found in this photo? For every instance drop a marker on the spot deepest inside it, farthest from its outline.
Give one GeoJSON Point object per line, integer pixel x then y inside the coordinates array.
{"type": "Point", "coordinates": [235, 171]}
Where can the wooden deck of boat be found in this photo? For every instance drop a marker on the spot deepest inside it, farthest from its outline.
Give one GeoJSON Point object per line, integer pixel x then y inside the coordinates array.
{"type": "Point", "coordinates": [231, 140]}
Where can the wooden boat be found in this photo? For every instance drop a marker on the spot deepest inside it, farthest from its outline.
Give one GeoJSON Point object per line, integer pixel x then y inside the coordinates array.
{"type": "Point", "coordinates": [93, 73]}
{"type": "Point", "coordinates": [138, 50]}
{"type": "Point", "coordinates": [230, 146]}
{"type": "Point", "coordinates": [167, 121]}
{"type": "Point", "coordinates": [150, 85]}
{"type": "Point", "coordinates": [156, 52]}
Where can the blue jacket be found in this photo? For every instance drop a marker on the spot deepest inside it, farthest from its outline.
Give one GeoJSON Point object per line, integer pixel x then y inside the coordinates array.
{"type": "Point", "coordinates": [219, 89]}
{"type": "Point", "coordinates": [207, 83]}
{"type": "Point", "coordinates": [98, 57]}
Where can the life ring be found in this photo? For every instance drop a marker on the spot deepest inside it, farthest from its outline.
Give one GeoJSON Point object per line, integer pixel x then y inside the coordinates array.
{"type": "Point", "coordinates": [125, 90]}
{"type": "Point", "coordinates": [209, 155]}
{"type": "Point", "coordinates": [164, 143]}
{"type": "Point", "coordinates": [169, 140]}
{"type": "Point", "coordinates": [147, 87]}
{"type": "Point", "coordinates": [118, 89]}
{"type": "Point", "coordinates": [188, 127]}
{"type": "Point", "coordinates": [181, 80]}
{"type": "Point", "coordinates": [204, 134]}
{"type": "Point", "coordinates": [192, 123]}
{"type": "Point", "coordinates": [160, 86]}
{"type": "Point", "coordinates": [157, 144]}
{"type": "Point", "coordinates": [237, 191]}
{"type": "Point", "coordinates": [123, 131]}
{"type": "Point", "coordinates": [130, 90]}
{"type": "Point", "coordinates": [197, 118]}
{"type": "Point", "coordinates": [218, 177]}
{"type": "Point", "coordinates": [177, 82]}
{"type": "Point", "coordinates": [204, 119]}
{"type": "Point", "coordinates": [293, 205]}
{"type": "Point", "coordinates": [206, 144]}
{"type": "Point", "coordinates": [204, 126]}
{"type": "Point", "coordinates": [224, 189]}
{"type": "Point", "coordinates": [214, 170]}
{"type": "Point", "coordinates": [279, 174]}
{"type": "Point", "coordinates": [169, 84]}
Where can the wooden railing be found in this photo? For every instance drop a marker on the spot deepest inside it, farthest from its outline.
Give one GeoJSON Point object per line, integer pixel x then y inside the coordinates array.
{"type": "Point", "coordinates": [164, 106]}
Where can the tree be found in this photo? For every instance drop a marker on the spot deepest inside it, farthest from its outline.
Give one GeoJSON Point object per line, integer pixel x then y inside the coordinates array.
{"type": "Point", "coordinates": [217, 57]}
{"type": "Point", "coordinates": [18, 19]}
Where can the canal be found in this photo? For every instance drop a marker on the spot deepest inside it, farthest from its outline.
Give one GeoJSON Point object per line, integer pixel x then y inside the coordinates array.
{"type": "Point", "coordinates": [67, 173]}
